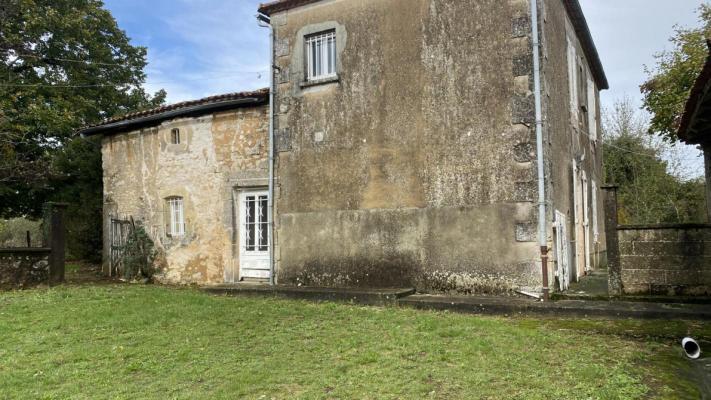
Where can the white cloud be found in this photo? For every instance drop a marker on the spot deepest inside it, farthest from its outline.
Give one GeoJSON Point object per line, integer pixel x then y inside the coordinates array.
{"type": "Point", "coordinates": [217, 48]}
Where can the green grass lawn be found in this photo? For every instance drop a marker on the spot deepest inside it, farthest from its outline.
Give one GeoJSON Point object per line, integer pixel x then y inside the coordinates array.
{"type": "Point", "coordinates": [131, 341]}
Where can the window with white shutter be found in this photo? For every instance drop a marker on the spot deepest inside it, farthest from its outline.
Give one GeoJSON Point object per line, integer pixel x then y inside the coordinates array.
{"type": "Point", "coordinates": [573, 81]}
{"type": "Point", "coordinates": [592, 109]}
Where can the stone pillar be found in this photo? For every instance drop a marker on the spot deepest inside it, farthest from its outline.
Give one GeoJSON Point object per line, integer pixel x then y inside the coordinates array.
{"type": "Point", "coordinates": [707, 168]}
{"type": "Point", "coordinates": [614, 278]}
{"type": "Point", "coordinates": [56, 240]}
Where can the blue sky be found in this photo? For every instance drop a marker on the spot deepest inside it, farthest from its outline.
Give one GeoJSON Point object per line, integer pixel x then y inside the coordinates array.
{"type": "Point", "coordinates": [198, 48]}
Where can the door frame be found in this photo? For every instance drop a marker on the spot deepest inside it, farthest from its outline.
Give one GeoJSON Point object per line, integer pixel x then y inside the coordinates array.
{"type": "Point", "coordinates": [240, 272]}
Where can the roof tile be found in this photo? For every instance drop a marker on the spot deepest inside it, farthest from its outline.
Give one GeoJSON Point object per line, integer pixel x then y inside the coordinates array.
{"type": "Point", "coordinates": [261, 93]}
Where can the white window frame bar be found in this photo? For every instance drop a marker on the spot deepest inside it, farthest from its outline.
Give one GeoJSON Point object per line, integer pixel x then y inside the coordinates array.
{"type": "Point", "coordinates": [321, 64]}
{"type": "Point", "coordinates": [177, 216]}
{"type": "Point", "coordinates": [256, 225]}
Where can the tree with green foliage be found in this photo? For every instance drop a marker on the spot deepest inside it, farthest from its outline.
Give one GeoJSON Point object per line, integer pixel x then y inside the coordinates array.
{"type": "Point", "coordinates": [64, 64]}
{"type": "Point", "coordinates": [643, 166]}
{"type": "Point", "coordinates": [670, 81]}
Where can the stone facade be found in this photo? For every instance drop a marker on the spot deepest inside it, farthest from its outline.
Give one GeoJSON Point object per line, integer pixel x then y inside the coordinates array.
{"type": "Point", "coordinates": [416, 165]}
{"type": "Point", "coordinates": [573, 147]}
{"type": "Point", "coordinates": [413, 165]}
{"type": "Point", "coordinates": [666, 260]}
{"type": "Point", "coordinates": [219, 154]}
{"type": "Point", "coordinates": [22, 268]}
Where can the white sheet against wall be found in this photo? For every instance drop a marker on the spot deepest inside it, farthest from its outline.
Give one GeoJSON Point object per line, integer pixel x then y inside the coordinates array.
{"type": "Point", "coordinates": [562, 246]}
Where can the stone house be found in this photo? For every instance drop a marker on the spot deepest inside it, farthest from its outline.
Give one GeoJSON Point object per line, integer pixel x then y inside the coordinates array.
{"type": "Point", "coordinates": [405, 139]}
{"type": "Point", "coordinates": [179, 170]}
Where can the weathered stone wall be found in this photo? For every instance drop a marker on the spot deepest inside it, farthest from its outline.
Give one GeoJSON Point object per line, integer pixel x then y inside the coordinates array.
{"type": "Point", "coordinates": [218, 154]}
{"type": "Point", "coordinates": [666, 260]}
{"type": "Point", "coordinates": [23, 267]}
{"type": "Point", "coordinates": [568, 139]}
{"type": "Point", "coordinates": [417, 166]}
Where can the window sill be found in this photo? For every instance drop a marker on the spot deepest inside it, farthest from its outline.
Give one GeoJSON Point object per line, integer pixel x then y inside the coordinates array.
{"type": "Point", "coordinates": [318, 82]}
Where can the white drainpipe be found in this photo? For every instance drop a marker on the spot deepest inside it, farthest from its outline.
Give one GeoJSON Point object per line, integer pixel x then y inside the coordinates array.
{"type": "Point", "coordinates": [265, 22]}
{"type": "Point", "coordinates": [542, 228]}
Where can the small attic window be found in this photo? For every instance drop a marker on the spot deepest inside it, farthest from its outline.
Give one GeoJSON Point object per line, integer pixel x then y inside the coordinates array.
{"type": "Point", "coordinates": [175, 136]}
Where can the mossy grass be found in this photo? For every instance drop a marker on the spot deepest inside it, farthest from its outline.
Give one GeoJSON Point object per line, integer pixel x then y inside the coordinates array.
{"type": "Point", "coordinates": [146, 341]}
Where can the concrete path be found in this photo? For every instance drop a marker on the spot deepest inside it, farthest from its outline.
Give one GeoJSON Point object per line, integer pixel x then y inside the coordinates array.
{"type": "Point", "coordinates": [580, 308]}
{"type": "Point", "coordinates": [477, 305]}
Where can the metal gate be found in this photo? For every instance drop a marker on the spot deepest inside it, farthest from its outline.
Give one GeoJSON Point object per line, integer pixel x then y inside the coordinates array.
{"type": "Point", "coordinates": [120, 230]}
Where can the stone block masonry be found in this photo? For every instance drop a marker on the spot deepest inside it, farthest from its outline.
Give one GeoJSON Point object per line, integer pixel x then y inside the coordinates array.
{"type": "Point", "coordinates": [23, 267]}
{"type": "Point", "coordinates": [26, 267]}
{"type": "Point", "coordinates": [666, 259]}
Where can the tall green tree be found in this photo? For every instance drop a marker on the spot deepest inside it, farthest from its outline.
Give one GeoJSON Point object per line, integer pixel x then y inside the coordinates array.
{"type": "Point", "coordinates": [64, 64]}
{"type": "Point", "coordinates": [650, 190]}
{"type": "Point", "coordinates": [671, 79]}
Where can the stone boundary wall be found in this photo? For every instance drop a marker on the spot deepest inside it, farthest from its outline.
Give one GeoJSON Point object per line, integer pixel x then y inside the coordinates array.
{"type": "Point", "coordinates": [665, 259]}
{"type": "Point", "coordinates": [24, 267]}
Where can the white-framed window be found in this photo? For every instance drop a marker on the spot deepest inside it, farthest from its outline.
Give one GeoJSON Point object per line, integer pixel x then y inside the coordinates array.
{"type": "Point", "coordinates": [255, 222]}
{"type": "Point", "coordinates": [573, 81]}
{"type": "Point", "coordinates": [321, 56]}
{"type": "Point", "coordinates": [592, 109]}
{"type": "Point", "coordinates": [175, 217]}
{"type": "Point", "coordinates": [175, 136]}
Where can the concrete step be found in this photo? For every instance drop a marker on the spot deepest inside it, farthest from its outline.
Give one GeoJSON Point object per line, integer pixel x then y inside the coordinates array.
{"type": "Point", "coordinates": [357, 296]}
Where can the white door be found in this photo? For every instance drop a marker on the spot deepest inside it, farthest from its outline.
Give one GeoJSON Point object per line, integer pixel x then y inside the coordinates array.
{"type": "Point", "coordinates": [562, 244]}
{"type": "Point", "coordinates": [586, 223]}
{"type": "Point", "coordinates": [579, 224]}
{"type": "Point", "coordinates": [253, 235]}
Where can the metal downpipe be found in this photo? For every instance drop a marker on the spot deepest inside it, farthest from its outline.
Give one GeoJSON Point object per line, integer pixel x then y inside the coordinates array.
{"type": "Point", "coordinates": [542, 228]}
{"type": "Point", "coordinates": [265, 22]}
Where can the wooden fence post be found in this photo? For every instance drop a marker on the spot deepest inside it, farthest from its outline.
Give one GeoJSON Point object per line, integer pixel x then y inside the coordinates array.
{"type": "Point", "coordinates": [54, 218]}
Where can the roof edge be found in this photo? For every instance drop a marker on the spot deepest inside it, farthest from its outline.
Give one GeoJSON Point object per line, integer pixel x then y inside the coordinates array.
{"type": "Point", "coordinates": [282, 5]}
{"type": "Point", "coordinates": [697, 92]}
{"type": "Point", "coordinates": [580, 24]}
{"type": "Point", "coordinates": [155, 119]}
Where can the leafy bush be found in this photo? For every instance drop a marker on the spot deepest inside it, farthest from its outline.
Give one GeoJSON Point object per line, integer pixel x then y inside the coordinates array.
{"type": "Point", "coordinates": [138, 256]}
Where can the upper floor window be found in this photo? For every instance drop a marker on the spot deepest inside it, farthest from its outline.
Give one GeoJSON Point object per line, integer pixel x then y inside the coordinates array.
{"type": "Point", "coordinates": [321, 56]}
{"type": "Point", "coordinates": [175, 217]}
{"type": "Point", "coordinates": [175, 136]}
